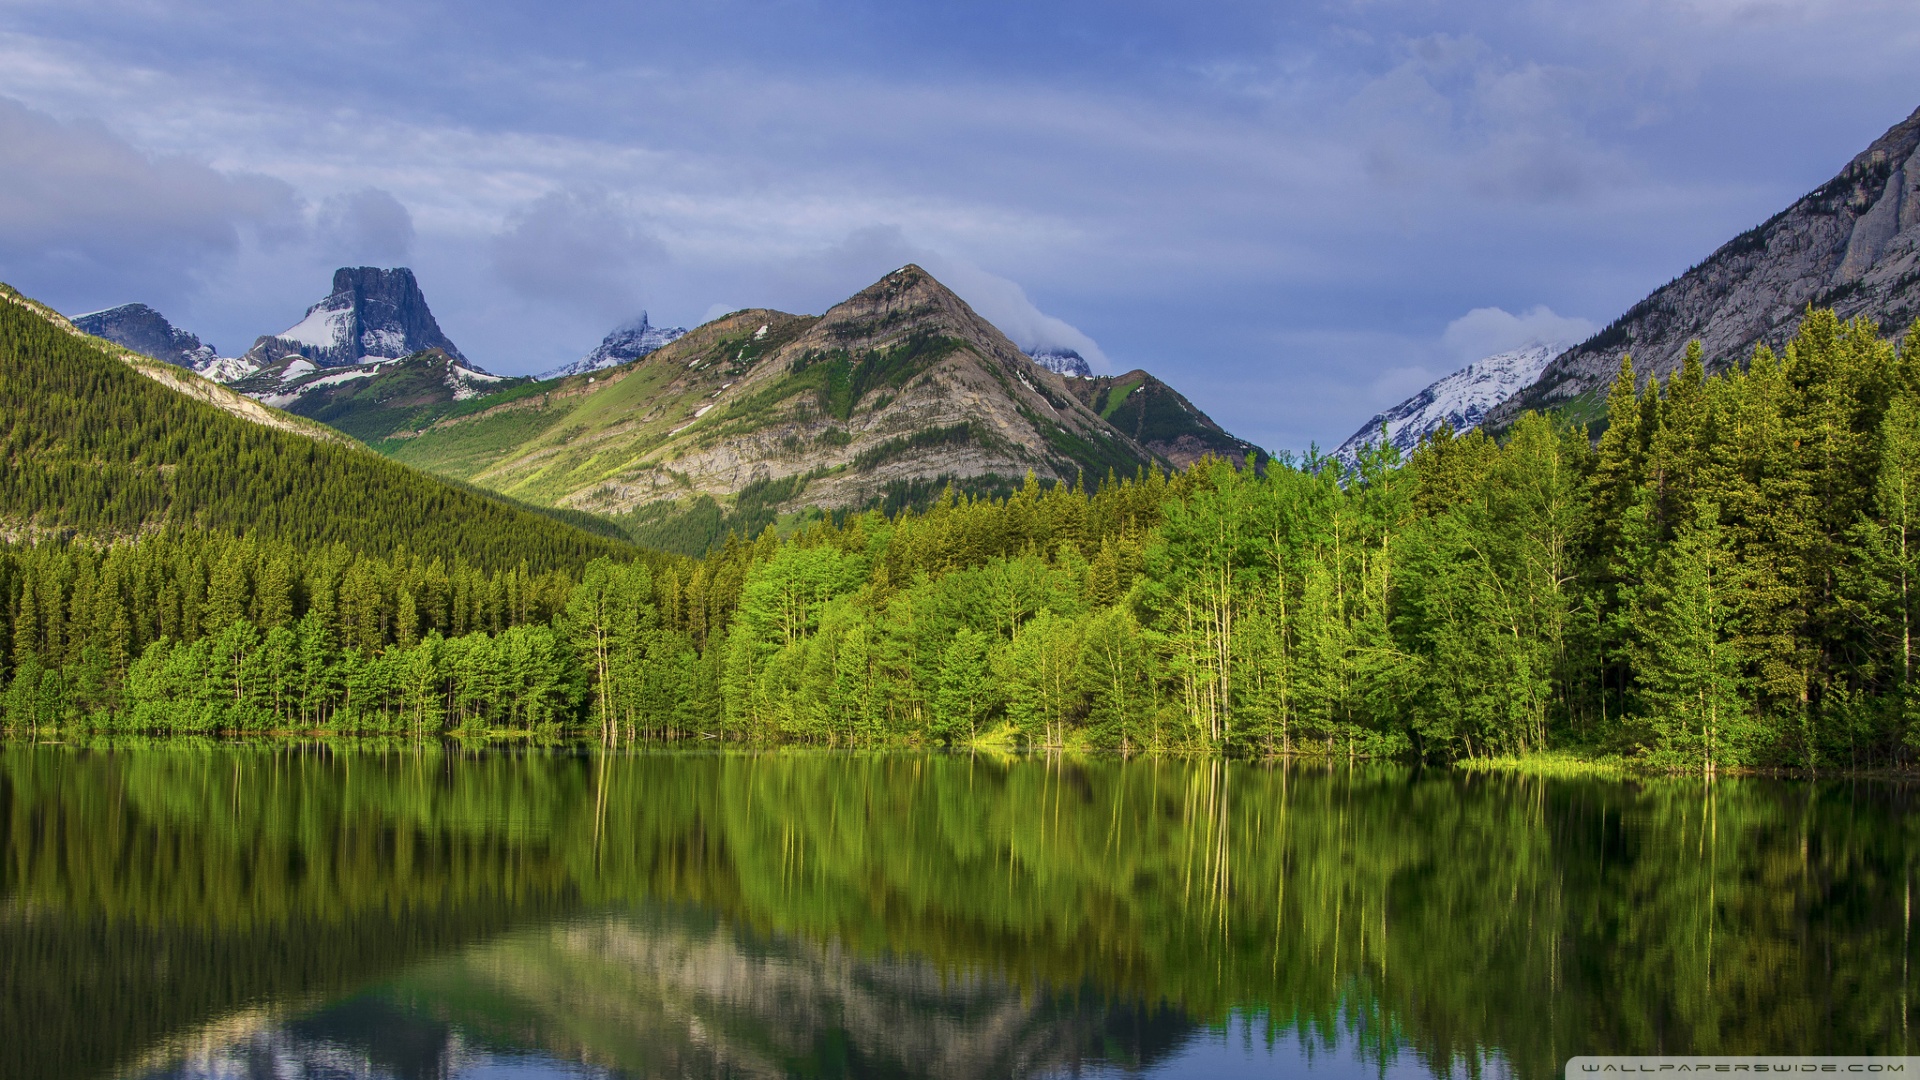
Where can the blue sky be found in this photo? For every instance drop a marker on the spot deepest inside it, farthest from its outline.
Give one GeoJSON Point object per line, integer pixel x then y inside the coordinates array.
{"type": "Point", "coordinates": [1295, 213]}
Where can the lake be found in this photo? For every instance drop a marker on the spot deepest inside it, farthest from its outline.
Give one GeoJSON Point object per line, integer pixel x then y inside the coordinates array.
{"type": "Point", "coordinates": [283, 910]}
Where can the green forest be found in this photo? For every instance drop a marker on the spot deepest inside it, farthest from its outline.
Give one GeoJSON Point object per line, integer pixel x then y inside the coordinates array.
{"type": "Point", "coordinates": [90, 448]}
{"type": "Point", "coordinates": [1723, 578]}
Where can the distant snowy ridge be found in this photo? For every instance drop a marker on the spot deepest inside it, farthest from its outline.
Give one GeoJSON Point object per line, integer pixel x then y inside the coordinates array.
{"type": "Point", "coordinates": [1061, 361]}
{"type": "Point", "coordinates": [1462, 399]}
{"type": "Point", "coordinates": [628, 342]}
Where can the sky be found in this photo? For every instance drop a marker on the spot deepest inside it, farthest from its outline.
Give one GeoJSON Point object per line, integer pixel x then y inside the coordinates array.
{"type": "Point", "coordinates": [1295, 213]}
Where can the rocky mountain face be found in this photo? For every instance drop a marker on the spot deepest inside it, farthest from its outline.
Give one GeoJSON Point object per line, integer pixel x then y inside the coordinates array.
{"type": "Point", "coordinates": [1062, 362]}
{"type": "Point", "coordinates": [1159, 418]}
{"type": "Point", "coordinates": [1853, 244]}
{"type": "Point", "coordinates": [628, 342]}
{"type": "Point", "coordinates": [371, 314]}
{"type": "Point", "coordinates": [146, 331]}
{"type": "Point", "coordinates": [902, 387]}
{"type": "Point", "coordinates": [1462, 399]}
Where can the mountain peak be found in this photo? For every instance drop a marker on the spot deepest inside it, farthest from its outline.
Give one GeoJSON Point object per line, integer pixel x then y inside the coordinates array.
{"type": "Point", "coordinates": [909, 300]}
{"type": "Point", "coordinates": [1061, 361]}
{"type": "Point", "coordinates": [144, 330]}
{"type": "Point", "coordinates": [1463, 399]}
{"type": "Point", "coordinates": [373, 313]}
{"type": "Point", "coordinates": [626, 343]}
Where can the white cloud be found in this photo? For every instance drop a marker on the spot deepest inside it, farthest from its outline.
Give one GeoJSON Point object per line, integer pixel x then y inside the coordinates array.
{"type": "Point", "coordinates": [1488, 330]}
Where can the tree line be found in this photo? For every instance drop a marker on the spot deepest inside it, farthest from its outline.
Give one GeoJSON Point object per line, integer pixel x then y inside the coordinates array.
{"type": "Point", "coordinates": [1724, 578]}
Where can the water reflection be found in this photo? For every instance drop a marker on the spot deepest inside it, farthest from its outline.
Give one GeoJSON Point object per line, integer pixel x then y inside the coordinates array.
{"type": "Point", "coordinates": [291, 911]}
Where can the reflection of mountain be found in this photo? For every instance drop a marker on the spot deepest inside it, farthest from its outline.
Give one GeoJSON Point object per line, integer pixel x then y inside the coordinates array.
{"type": "Point", "coordinates": [670, 992]}
{"type": "Point", "coordinates": [674, 993]}
{"type": "Point", "coordinates": [888, 905]}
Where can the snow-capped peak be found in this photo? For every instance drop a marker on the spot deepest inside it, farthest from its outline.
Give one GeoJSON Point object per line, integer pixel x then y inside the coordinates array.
{"type": "Point", "coordinates": [1462, 399]}
{"type": "Point", "coordinates": [628, 342]}
{"type": "Point", "coordinates": [1061, 361]}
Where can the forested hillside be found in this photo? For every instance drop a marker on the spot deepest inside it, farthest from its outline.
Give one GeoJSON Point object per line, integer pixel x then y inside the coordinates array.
{"type": "Point", "coordinates": [1725, 579]}
{"type": "Point", "coordinates": [94, 449]}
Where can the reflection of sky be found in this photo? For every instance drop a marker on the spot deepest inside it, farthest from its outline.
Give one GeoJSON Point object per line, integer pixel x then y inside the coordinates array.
{"type": "Point", "coordinates": [1240, 1051]}
{"type": "Point", "coordinates": [1281, 208]}
{"type": "Point", "coordinates": [1236, 1053]}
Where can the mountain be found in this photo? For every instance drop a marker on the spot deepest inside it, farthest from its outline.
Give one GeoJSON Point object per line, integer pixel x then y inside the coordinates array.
{"type": "Point", "coordinates": [103, 443]}
{"type": "Point", "coordinates": [1159, 418]}
{"type": "Point", "coordinates": [1062, 362]}
{"type": "Point", "coordinates": [628, 342]}
{"type": "Point", "coordinates": [893, 392]}
{"type": "Point", "coordinates": [1852, 244]}
{"type": "Point", "coordinates": [145, 330]}
{"type": "Point", "coordinates": [373, 400]}
{"type": "Point", "coordinates": [1462, 399]}
{"type": "Point", "coordinates": [371, 314]}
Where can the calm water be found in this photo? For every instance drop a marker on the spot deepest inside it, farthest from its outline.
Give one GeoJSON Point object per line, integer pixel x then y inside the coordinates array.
{"type": "Point", "coordinates": [312, 912]}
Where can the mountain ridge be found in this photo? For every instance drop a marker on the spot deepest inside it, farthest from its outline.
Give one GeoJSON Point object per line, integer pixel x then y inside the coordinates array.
{"type": "Point", "coordinates": [1462, 399]}
{"type": "Point", "coordinates": [146, 331]}
{"type": "Point", "coordinates": [901, 383]}
{"type": "Point", "coordinates": [623, 344]}
{"type": "Point", "coordinates": [1852, 244]}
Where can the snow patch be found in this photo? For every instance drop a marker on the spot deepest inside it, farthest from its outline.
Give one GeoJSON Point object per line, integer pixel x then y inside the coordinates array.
{"type": "Point", "coordinates": [1462, 399]}
{"type": "Point", "coordinates": [226, 369]}
{"type": "Point", "coordinates": [383, 343]}
{"type": "Point", "coordinates": [323, 328]}
{"type": "Point", "coordinates": [334, 380]}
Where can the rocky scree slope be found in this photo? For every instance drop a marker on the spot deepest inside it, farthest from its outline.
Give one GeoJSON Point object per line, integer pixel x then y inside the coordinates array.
{"type": "Point", "coordinates": [900, 385]}
{"type": "Point", "coordinates": [1853, 244]}
{"type": "Point", "coordinates": [1462, 400]}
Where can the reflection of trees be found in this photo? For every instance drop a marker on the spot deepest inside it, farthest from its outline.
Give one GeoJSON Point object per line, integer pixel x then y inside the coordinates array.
{"type": "Point", "coordinates": [1397, 911]}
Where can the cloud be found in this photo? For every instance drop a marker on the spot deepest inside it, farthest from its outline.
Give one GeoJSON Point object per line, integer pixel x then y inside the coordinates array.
{"type": "Point", "coordinates": [1005, 304]}
{"type": "Point", "coordinates": [368, 226]}
{"type": "Point", "coordinates": [1488, 330]}
{"type": "Point", "coordinates": [579, 250]}
{"type": "Point", "coordinates": [86, 219]}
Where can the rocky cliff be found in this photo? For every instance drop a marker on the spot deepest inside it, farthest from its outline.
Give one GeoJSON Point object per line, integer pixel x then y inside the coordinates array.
{"type": "Point", "coordinates": [1852, 244]}
{"type": "Point", "coordinates": [371, 314]}
{"type": "Point", "coordinates": [146, 331]}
